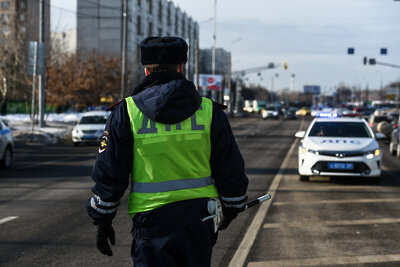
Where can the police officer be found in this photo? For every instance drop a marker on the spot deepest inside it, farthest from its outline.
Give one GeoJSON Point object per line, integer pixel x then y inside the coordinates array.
{"type": "Point", "coordinates": [178, 152]}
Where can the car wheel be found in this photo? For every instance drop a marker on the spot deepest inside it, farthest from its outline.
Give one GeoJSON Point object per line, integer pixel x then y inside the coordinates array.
{"type": "Point", "coordinates": [391, 149]}
{"type": "Point", "coordinates": [7, 158]}
{"type": "Point", "coordinates": [304, 178]}
{"type": "Point", "coordinates": [398, 151]}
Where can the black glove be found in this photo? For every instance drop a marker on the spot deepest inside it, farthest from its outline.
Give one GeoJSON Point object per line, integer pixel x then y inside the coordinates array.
{"type": "Point", "coordinates": [230, 210]}
{"type": "Point", "coordinates": [104, 232]}
{"type": "Point", "coordinates": [225, 221]}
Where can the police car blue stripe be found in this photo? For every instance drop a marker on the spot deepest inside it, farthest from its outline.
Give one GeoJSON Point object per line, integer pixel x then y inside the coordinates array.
{"type": "Point", "coordinates": [5, 131]}
{"type": "Point", "coordinates": [172, 185]}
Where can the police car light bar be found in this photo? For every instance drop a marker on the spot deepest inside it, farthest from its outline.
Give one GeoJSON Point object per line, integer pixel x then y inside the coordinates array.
{"type": "Point", "coordinates": [327, 115]}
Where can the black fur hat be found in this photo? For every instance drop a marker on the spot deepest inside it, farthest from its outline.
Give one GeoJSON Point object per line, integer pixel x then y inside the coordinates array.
{"type": "Point", "coordinates": [163, 50]}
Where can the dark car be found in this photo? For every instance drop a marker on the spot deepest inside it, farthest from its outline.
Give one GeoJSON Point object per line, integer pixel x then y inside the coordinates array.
{"type": "Point", "coordinates": [290, 114]}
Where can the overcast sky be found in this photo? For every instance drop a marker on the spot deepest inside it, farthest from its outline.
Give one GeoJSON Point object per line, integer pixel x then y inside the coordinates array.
{"type": "Point", "coordinates": [311, 35]}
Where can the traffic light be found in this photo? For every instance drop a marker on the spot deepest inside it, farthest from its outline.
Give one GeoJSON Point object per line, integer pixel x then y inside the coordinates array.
{"type": "Point", "coordinates": [350, 51]}
{"type": "Point", "coordinates": [384, 51]}
{"type": "Point", "coordinates": [365, 60]}
{"type": "Point", "coordinates": [284, 65]}
{"type": "Point", "coordinates": [372, 61]}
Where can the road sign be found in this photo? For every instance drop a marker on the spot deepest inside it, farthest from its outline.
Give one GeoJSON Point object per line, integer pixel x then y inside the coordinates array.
{"type": "Point", "coordinates": [39, 58]}
{"type": "Point", "coordinates": [312, 89]}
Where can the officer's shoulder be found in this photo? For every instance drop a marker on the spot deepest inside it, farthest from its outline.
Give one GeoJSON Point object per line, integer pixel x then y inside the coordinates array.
{"type": "Point", "coordinates": [222, 106]}
{"type": "Point", "coordinates": [115, 105]}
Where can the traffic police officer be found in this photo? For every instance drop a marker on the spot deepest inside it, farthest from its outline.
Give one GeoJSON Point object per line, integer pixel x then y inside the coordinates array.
{"type": "Point", "coordinates": [178, 152]}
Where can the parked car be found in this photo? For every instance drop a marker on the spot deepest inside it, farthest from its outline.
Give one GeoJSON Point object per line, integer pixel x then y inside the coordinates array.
{"type": "Point", "coordinates": [6, 145]}
{"type": "Point", "coordinates": [270, 112]}
{"type": "Point", "coordinates": [90, 127]}
{"type": "Point", "coordinates": [339, 147]}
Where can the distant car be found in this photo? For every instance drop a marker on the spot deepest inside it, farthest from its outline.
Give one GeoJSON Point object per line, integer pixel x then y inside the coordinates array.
{"type": "Point", "coordinates": [339, 147]}
{"type": "Point", "coordinates": [6, 145]}
{"type": "Point", "coordinates": [270, 112]}
{"type": "Point", "coordinates": [290, 114]}
{"type": "Point", "coordinates": [90, 127]}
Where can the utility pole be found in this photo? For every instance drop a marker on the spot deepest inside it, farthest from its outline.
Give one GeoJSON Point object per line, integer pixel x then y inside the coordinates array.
{"type": "Point", "coordinates": [42, 84]}
{"type": "Point", "coordinates": [124, 41]}
{"type": "Point", "coordinates": [196, 61]}
{"type": "Point", "coordinates": [214, 92]}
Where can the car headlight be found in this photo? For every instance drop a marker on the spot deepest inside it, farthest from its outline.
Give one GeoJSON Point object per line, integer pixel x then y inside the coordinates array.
{"type": "Point", "coordinates": [372, 154]}
{"type": "Point", "coordinates": [304, 150]}
{"type": "Point", "coordinates": [274, 113]}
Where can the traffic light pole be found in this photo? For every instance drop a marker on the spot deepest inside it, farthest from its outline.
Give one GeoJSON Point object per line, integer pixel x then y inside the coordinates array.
{"type": "Point", "coordinates": [42, 82]}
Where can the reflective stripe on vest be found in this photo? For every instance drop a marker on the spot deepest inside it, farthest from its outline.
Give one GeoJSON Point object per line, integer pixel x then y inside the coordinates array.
{"type": "Point", "coordinates": [170, 162]}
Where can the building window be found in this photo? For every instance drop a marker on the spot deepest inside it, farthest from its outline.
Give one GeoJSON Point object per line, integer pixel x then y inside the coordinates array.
{"type": "Point", "coordinates": [139, 2]}
{"type": "Point", "coordinates": [5, 4]}
{"type": "Point", "coordinates": [21, 17]}
{"type": "Point", "coordinates": [22, 4]}
{"type": "Point", "coordinates": [6, 29]}
{"type": "Point", "coordinates": [176, 24]}
{"type": "Point", "coordinates": [160, 32]}
{"type": "Point", "coordinates": [150, 29]}
{"type": "Point", "coordinates": [22, 29]}
{"type": "Point", "coordinates": [183, 27]}
{"type": "Point", "coordinates": [139, 26]}
{"type": "Point", "coordinates": [151, 6]}
{"type": "Point", "coordinates": [160, 11]}
{"type": "Point", "coordinates": [169, 15]}
{"type": "Point", "coordinates": [5, 18]}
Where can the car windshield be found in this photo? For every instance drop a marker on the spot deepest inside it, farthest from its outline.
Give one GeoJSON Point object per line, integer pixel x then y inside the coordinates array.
{"type": "Point", "coordinates": [93, 120]}
{"type": "Point", "coordinates": [340, 129]}
{"type": "Point", "coordinates": [271, 108]}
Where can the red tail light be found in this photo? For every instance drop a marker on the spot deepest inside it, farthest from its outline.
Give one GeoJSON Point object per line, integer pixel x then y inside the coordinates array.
{"type": "Point", "coordinates": [370, 124]}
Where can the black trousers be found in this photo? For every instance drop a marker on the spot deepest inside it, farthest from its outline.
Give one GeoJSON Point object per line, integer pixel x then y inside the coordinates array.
{"type": "Point", "coordinates": [173, 235]}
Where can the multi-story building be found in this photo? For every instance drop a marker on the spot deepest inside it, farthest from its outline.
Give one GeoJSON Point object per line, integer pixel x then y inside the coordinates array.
{"type": "Point", "coordinates": [99, 29]}
{"type": "Point", "coordinates": [221, 61]}
{"type": "Point", "coordinates": [19, 22]}
{"type": "Point", "coordinates": [64, 41]}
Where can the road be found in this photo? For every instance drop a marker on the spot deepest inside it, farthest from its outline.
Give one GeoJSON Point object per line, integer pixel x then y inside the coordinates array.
{"type": "Point", "coordinates": [43, 220]}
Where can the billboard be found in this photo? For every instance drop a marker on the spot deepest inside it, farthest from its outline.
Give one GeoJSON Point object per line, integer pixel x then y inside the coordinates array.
{"type": "Point", "coordinates": [211, 82]}
{"type": "Point", "coordinates": [312, 89]}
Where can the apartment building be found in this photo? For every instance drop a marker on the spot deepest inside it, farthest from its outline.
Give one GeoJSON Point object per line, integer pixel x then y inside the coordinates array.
{"type": "Point", "coordinates": [19, 23]}
{"type": "Point", "coordinates": [99, 29]}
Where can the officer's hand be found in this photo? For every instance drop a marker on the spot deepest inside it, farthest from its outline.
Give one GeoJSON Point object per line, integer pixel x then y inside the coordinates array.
{"type": "Point", "coordinates": [225, 221]}
{"type": "Point", "coordinates": [104, 233]}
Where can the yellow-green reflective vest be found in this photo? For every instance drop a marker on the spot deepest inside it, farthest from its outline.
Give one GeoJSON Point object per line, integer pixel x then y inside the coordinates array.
{"type": "Point", "coordinates": [170, 162]}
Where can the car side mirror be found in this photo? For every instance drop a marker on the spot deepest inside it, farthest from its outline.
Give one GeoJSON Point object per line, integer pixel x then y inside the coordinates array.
{"type": "Point", "coordinates": [300, 134]}
{"type": "Point", "coordinates": [380, 136]}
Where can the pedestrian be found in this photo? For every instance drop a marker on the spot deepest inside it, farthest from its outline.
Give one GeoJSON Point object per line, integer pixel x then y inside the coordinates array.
{"type": "Point", "coordinates": [178, 151]}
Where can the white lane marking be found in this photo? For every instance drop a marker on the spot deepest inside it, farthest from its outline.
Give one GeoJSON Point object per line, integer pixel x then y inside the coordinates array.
{"type": "Point", "coordinates": [247, 242]}
{"type": "Point", "coordinates": [329, 261]}
{"type": "Point", "coordinates": [307, 224]}
{"type": "Point", "coordinates": [48, 162]}
{"type": "Point", "coordinates": [7, 219]}
{"type": "Point", "coordinates": [339, 201]}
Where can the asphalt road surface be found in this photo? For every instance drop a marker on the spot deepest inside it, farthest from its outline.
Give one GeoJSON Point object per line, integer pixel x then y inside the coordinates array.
{"type": "Point", "coordinates": [349, 222]}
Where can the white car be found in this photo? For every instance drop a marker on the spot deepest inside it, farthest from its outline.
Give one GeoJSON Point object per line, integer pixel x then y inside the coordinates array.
{"type": "Point", "coordinates": [6, 145]}
{"type": "Point", "coordinates": [339, 147]}
{"type": "Point", "coordinates": [90, 127]}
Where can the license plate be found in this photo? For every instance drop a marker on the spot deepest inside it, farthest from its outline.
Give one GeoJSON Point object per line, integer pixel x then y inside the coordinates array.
{"type": "Point", "coordinates": [340, 166]}
{"type": "Point", "coordinates": [89, 137]}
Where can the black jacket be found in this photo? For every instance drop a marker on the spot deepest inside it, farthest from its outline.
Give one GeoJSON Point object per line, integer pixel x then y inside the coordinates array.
{"type": "Point", "coordinates": [165, 97]}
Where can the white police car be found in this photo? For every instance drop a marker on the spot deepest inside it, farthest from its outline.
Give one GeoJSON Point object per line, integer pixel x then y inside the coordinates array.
{"type": "Point", "coordinates": [90, 127]}
{"type": "Point", "coordinates": [6, 145]}
{"type": "Point", "coordinates": [339, 147]}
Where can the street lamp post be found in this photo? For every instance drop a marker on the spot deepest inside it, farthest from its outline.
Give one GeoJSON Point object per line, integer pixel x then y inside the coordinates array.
{"type": "Point", "coordinates": [213, 94]}
{"type": "Point", "coordinates": [230, 73]}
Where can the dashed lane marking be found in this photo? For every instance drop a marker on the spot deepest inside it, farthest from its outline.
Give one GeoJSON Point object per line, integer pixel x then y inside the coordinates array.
{"type": "Point", "coordinates": [245, 245]}
{"type": "Point", "coordinates": [7, 219]}
{"type": "Point", "coordinates": [329, 261]}
{"type": "Point", "coordinates": [306, 224]}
